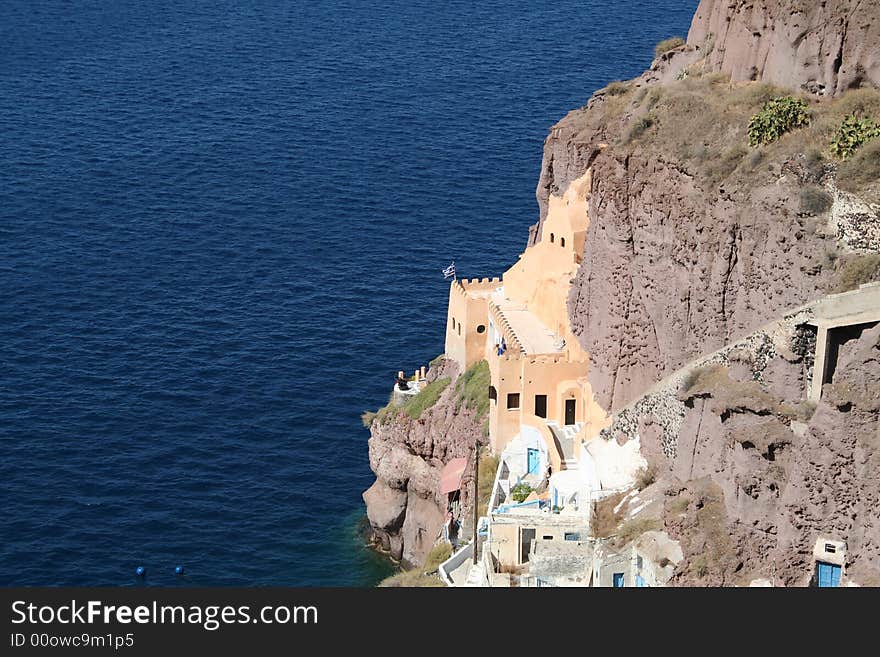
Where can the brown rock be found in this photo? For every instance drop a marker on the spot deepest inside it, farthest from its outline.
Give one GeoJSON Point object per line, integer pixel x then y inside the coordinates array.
{"type": "Point", "coordinates": [824, 48]}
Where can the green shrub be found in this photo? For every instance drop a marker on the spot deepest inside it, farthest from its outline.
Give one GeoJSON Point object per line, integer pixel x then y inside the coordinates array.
{"type": "Point", "coordinates": [815, 201]}
{"type": "Point", "coordinates": [437, 361]}
{"type": "Point", "coordinates": [472, 388]}
{"type": "Point", "coordinates": [520, 492]}
{"type": "Point", "coordinates": [852, 134]}
{"type": "Point", "coordinates": [426, 398]}
{"type": "Point", "coordinates": [778, 116]}
{"type": "Point", "coordinates": [367, 418]}
{"type": "Point", "coordinates": [666, 45]}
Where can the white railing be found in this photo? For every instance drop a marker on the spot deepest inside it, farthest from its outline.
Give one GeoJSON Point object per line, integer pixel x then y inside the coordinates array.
{"type": "Point", "coordinates": [452, 563]}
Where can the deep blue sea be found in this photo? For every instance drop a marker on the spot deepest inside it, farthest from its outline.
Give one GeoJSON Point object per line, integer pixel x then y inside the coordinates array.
{"type": "Point", "coordinates": [222, 226]}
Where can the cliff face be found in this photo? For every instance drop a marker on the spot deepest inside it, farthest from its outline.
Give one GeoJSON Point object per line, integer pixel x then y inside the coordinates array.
{"type": "Point", "coordinates": [404, 505]}
{"type": "Point", "coordinates": [824, 48]}
{"type": "Point", "coordinates": [672, 270]}
{"type": "Point", "coordinates": [695, 240]}
{"type": "Point", "coordinates": [772, 489]}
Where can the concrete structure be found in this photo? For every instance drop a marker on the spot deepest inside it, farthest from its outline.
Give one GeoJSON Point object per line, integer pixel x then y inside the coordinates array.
{"type": "Point", "coordinates": [838, 319]}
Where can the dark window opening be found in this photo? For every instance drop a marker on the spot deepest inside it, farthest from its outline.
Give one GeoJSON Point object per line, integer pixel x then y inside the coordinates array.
{"type": "Point", "coordinates": [840, 346]}
{"type": "Point", "coordinates": [527, 536]}
{"type": "Point", "coordinates": [570, 408]}
{"type": "Point", "coordinates": [552, 238]}
{"type": "Point", "coordinates": [830, 549]}
{"type": "Point", "coordinates": [493, 394]}
{"type": "Point", "coordinates": [512, 400]}
{"type": "Point", "coordinates": [562, 241]}
{"type": "Point", "coordinates": [481, 329]}
{"type": "Point", "coordinates": [541, 406]}
{"type": "Point", "coordinates": [547, 538]}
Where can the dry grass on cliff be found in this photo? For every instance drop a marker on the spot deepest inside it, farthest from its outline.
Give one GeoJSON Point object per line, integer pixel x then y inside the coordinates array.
{"type": "Point", "coordinates": [426, 398]}
{"type": "Point", "coordinates": [855, 270]}
{"type": "Point", "coordinates": [472, 388]}
{"type": "Point", "coordinates": [604, 521]}
{"type": "Point", "coordinates": [413, 407]}
{"type": "Point", "coordinates": [666, 45]}
{"type": "Point", "coordinates": [632, 529]}
{"type": "Point", "coordinates": [426, 576]}
{"type": "Point", "coordinates": [411, 579]}
{"type": "Point", "coordinates": [701, 123]}
{"type": "Point", "coordinates": [487, 470]}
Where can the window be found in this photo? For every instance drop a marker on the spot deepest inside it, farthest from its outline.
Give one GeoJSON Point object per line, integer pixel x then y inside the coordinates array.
{"type": "Point", "coordinates": [547, 538]}
{"type": "Point", "coordinates": [617, 580]}
{"type": "Point", "coordinates": [459, 328]}
{"type": "Point", "coordinates": [639, 562]}
{"type": "Point", "coordinates": [552, 238]}
{"type": "Point", "coordinates": [562, 241]}
{"type": "Point", "coordinates": [512, 401]}
{"type": "Point", "coordinates": [572, 536]}
{"type": "Point", "coordinates": [541, 406]}
{"type": "Point", "coordinates": [830, 549]}
{"type": "Point", "coordinates": [493, 394]}
{"type": "Point", "coordinates": [481, 329]}
{"type": "Point", "coordinates": [453, 323]}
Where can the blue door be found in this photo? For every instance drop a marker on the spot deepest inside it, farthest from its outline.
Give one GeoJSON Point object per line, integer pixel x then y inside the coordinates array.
{"type": "Point", "coordinates": [617, 580]}
{"type": "Point", "coordinates": [640, 581]}
{"type": "Point", "coordinates": [533, 460]}
{"type": "Point", "coordinates": [829, 575]}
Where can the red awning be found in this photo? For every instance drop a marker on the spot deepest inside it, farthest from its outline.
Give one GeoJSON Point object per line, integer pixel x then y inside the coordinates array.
{"type": "Point", "coordinates": [450, 478]}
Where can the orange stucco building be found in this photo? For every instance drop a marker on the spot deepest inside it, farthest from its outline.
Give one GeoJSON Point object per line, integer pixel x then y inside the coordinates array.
{"type": "Point", "coordinates": [519, 324]}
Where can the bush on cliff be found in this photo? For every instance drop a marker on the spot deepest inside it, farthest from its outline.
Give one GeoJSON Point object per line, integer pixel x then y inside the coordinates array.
{"type": "Point", "coordinates": [814, 201]}
{"type": "Point", "coordinates": [666, 45]}
{"type": "Point", "coordinates": [520, 492]}
{"type": "Point", "coordinates": [853, 133]}
{"type": "Point", "coordinates": [472, 388]}
{"type": "Point", "coordinates": [778, 116]}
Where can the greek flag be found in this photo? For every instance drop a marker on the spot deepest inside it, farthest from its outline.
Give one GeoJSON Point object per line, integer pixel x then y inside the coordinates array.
{"type": "Point", "coordinates": [449, 272]}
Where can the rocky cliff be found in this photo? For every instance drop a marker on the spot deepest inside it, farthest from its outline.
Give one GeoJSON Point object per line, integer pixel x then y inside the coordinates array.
{"type": "Point", "coordinates": [824, 48]}
{"type": "Point", "coordinates": [404, 505]}
{"type": "Point", "coordinates": [752, 488]}
{"type": "Point", "coordinates": [695, 240]}
{"type": "Point", "coordinates": [694, 237]}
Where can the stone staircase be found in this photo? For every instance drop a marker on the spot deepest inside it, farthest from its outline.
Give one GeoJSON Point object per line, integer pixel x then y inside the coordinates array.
{"type": "Point", "coordinates": [566, 437]}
